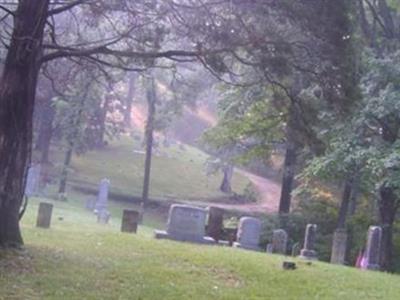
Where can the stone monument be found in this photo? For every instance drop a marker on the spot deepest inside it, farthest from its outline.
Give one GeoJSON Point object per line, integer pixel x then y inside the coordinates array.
{"type": "Point", "coordinates": [44, 215]}
{"type": "Point", "coordinates": [186, 223]}
{"type": "Point", "coordinates": [130, 220]}
{"type": "Point", "coordinates": [33, 180]}
{"type": "Point", "coordinates": [102, 196]}
{"type": "Point", "coordinates": [373, 248]}
{"type": "Point", "coordinates": [279, 242]}
{"type": "Point", "coordinates": [308, 251]}
{"type": "Point", "coordinates": [339, 245]}
{"type": "Point", "coordinates": [248, 235]}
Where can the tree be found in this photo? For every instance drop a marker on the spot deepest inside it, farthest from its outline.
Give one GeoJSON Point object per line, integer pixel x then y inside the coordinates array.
{"type": "Point", "coordinates": [24, 58]}
{"type": "Point", "coordinates": [151, 98]}
{"type": "Point", "coordinates": [17, 98]}
{"type": "Point", "coordinates": [129, 99]}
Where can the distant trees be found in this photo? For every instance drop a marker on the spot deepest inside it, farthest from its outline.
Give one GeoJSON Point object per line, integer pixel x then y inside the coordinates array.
{"type": "Point", "coordinates": [315, 78]}
{"type": "Point", "coordinates": [362, 147]}
{"type": "Point", "coordinates": [98, 38]}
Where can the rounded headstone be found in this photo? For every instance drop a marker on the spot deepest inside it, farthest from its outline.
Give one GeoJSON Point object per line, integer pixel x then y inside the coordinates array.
{"type": "Point", "coordinates": [279, 241]}
{"type": "Point", "coordinates": [248, 235]}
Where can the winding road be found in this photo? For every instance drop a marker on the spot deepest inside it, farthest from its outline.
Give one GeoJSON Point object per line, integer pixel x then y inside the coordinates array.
{"type": "Point", "coordinates": [269, 193]}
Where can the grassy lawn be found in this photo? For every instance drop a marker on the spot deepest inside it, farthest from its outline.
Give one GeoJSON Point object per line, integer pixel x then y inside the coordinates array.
{"type": "Point", "coordinates": [79, 259]}
{"type": "Point", "coordinates": [176, 173]}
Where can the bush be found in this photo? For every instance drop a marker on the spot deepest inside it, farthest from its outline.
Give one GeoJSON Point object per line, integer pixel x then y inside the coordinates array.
{"type": "Point", "coordinates": [250, 194]}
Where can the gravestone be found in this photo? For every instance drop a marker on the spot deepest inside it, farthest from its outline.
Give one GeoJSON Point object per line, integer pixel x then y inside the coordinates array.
{"type": "Point", "coordinates": [102, 196]}
{"type": "Point", "coordinates": [215, 222]}
{"type": "Point", "coordinates": [339, 245]}
{"type": "Point", "coordinates": [373, 248]}
{"type": "Point", "coordinates": [33, 180]}
{"type": "Point", "coordinates": [248, 235]}
{"type": "Point", "coordinates": [279, 242]}
{"type": "Point", "coordinates": [308, 251]}
{"type": "Point", "coordinates": [103, 216]}
{"type": "Point", "coordinates": [130, 220]}
{"type": "Point", "coordinates": [44, 215]}
{"type": "Point", "coordinates": [186, 223]}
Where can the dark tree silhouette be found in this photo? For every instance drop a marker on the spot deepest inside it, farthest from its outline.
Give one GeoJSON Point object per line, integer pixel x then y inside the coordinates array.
{"type": "Point", "coordinates": [17, 98]}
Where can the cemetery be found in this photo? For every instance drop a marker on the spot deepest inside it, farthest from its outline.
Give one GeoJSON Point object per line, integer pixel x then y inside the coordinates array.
{"type": "Point", "coordinates": [199, 149]}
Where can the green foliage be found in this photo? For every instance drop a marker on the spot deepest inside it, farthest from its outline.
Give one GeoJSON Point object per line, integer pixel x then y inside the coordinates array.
{"type": "Point", "coordinates": [250, 193]}
{"type": "Point", "coordinates": [248, 122]}
{"type": "Point", "coordinates": [311, 212]}
{"type": "Point", "coordinates": [357, 146]}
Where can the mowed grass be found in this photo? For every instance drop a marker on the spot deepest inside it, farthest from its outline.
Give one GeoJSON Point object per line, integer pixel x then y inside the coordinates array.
{"type": "Point", "coordinates": [79, 259]}
{"type": "Point", "coordinates": [176, 173]}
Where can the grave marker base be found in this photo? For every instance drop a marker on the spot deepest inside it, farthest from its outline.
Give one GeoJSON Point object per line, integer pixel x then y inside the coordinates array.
{"type": "Point", "coordinates": [161, 234]}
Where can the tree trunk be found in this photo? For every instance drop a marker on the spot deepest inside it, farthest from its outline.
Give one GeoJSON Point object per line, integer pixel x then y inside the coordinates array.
{"type": "Point", "coordinates": [226, 181]}
{"type": "Point", "coordinates": [45, 131]}
{"type": "Point", "coordinates": [151, 111]}
{"type": "Point", "coordinates": [354, 195]}
{"type": "Point", "coordinates": [129, 100]}
{"type": "Point", "coordinates": [344, 204]}
{"type": "Point", "coordinates": [64, 173]}
{"type": "Point", "coordinates": [71, 140]}
{"type": "Point", "coordinates": [387, 212]}
{"type": "Point", "coordinates": [287, 179]}
{"type": "Point", "coordinates": [17, 97]}
{"type": "Point", "coordinates": [386, 15]}
{"type": "Point", "coordinates": [102, 122]}
{"type": "Point", "coordinates": [289, 164]}
{"type": "Point", "coordinates": [352, 210]}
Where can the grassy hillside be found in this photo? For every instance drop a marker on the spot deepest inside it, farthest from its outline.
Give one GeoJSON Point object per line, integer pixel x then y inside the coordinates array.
{"type": "Point", "coordinates": [177, 172]}
{"type": "Point", "coordinates": [78, 259]}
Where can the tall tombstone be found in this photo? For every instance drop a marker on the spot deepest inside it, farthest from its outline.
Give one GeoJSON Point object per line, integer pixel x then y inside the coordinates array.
{"type": "Point", "coordinates": [102, 196]}
{"type": "Point", "coordinates": [308, 251]}
{"type": "Point", "coordinates": [186, 223]}
{"type": "Point", "coordinates": [279, 242]}
{"type": "Point", "coordinates": [44, 215]}
{"type": "Point", "coordinates": [248, 235]}
{"type": "Point", "coordinates": [130, 220]}
{"type": "Point", "coordinates": [33, 180]}
{"type": "Point", "coordinates": [215, 222]}
{"type": "Point", "coordinates": [373, 248]}
{"type": "Point", "coordinates": [339, 246]}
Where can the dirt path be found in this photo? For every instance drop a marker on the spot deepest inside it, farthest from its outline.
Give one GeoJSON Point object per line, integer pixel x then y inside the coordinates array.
{"type": "Point", "coordinates": [269, 192]}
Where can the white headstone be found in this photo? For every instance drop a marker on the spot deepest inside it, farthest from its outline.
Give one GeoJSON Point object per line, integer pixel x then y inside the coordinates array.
{"type": "Point", "coordinates": [248, 235]}
{"type": "Point", "coordinates": [186, 223]}
{"type": "Point", "coordinates": [102, 197]}
{"type": "Point", "coordinates": [33, 180]}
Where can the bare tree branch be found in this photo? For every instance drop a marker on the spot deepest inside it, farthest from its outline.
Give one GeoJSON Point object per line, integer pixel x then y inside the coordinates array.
{"type": "Point", "coordinates": [66, 7]}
